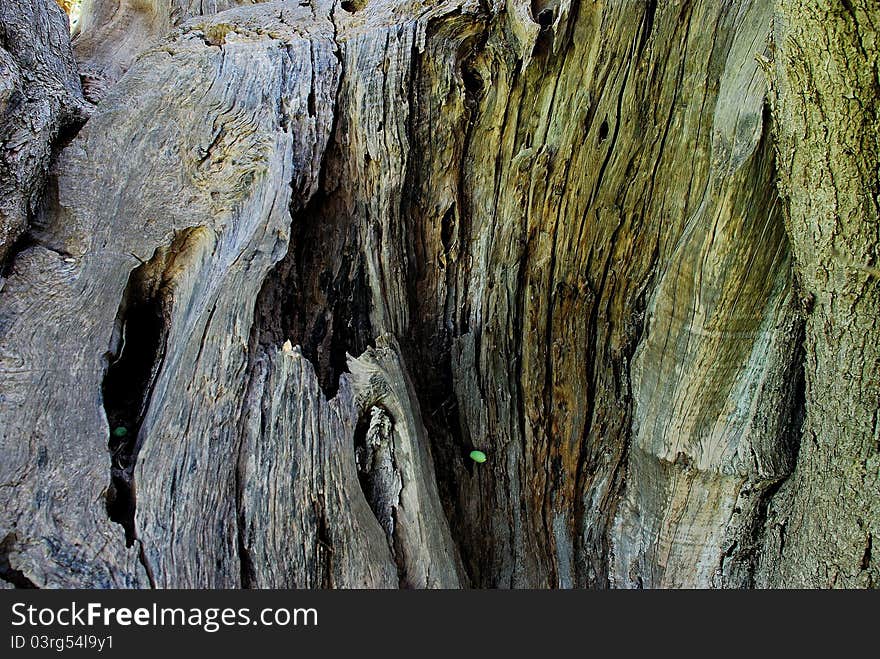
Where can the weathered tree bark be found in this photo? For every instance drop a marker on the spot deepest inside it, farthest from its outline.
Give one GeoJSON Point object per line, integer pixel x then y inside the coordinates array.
{"type": "Point", "coordinates": [40, 97]}
{"type": "Point", "coordinates": [828, 90]}
{"type": "Point", "coordinates": [302, 259]}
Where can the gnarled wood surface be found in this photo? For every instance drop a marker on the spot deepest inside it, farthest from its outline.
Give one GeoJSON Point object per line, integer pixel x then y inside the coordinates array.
{"type": "Point", "coordinates": [302, 260]}
{"type": "Point", "coordinates": [40, 98]}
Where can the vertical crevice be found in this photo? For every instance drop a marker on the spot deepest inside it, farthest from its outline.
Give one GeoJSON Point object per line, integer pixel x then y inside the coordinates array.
{"type": "Point", "coordinates": [134, 362]}
{"type": "Point", "coordinates": [247, 570]}
{"type": "Point", "coordinates": [442, 320]}
{"type": "Point", "coordinates": [127, 383]}
{"type": "Point", "coordinates": [647, 26]}
{"type": "Point", "coordinates": [866, 556]}
{"type": "Point", "coordinates": [317, 298]}
{"type": "Point", "coordinates": [320, 304]}
{"type": "Point", "coordinates": [798, 404]}
{"type": "Point", "coordinates": [324, 548]}
{"type": "Point", "coordinates": [771, 516]}
{"type": "Point", "coordinates": [142, 558]}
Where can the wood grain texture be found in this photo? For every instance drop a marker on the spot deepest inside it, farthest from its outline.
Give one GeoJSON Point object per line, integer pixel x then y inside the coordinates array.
{"type": "Point", "coordinates": [222, 164]}
{"type": "Point", "coordinates": [306, 519]}
{"type": "Point", "coordinates": [344, 244]}
{"type": "Point", "coordinates": [40, 97]}
{"type": "Point", "coordinates": [111, 34]}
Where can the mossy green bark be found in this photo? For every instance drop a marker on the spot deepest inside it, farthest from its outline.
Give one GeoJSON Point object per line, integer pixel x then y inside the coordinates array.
{"type": "Point", "coordinates": [826, 92]}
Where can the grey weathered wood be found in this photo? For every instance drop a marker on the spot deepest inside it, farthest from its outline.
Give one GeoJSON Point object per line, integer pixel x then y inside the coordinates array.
{"type": "Point", "coordinates": [112, 33]}
{"type": "Point", "coordinates": [217, 172]}
{"type": "Point", "coordinates": [40, 96]}
{"type": "Point", "coordinates": [306, 520]}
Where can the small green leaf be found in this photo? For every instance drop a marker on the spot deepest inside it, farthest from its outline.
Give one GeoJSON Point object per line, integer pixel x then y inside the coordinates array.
{"type": "Point", "coordinates": [120, 431]}
{"type": "Point", "coordinates": [478, 456]}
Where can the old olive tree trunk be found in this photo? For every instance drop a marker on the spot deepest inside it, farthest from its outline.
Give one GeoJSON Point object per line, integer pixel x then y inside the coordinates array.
{"type": "Point", "coordinates": [293, 261]}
